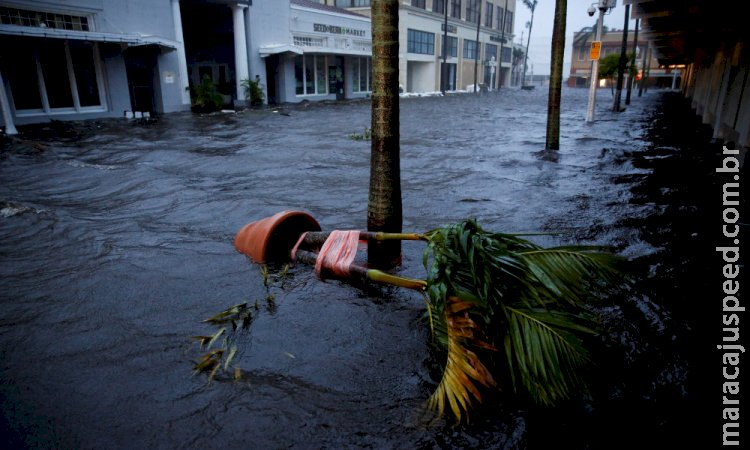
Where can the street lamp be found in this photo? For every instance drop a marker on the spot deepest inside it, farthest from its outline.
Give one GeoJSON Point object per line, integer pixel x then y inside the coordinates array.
{"type": "Point", "coordinates": [603, 6]}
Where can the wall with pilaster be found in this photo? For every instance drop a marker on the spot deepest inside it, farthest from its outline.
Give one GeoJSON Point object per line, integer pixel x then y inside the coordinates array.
{"type": "Point", "coordinates": [267, 24]}
{"type": "Point", "coordinates": [720, 93]}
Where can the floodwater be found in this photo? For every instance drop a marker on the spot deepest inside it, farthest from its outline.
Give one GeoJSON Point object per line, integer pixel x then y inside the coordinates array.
{"type": "Point", "coordinates": [117, 242]}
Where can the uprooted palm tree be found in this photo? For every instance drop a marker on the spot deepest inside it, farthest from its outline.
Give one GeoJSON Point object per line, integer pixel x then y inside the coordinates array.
{"type": "Point", "coordinates": [509, 313]}
{"type": "Point", "coordinates": [506, 312]}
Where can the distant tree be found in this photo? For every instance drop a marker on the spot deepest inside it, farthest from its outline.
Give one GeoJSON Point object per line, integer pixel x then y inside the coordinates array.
{"type": "Point", "coordinates": [384, 207]}
{"type": "Point", "coordinates": [518, 59]}
{"type": "Point", "coordinates": [531, 4]}
{"type": "Point", "coordinates": [609, 65]}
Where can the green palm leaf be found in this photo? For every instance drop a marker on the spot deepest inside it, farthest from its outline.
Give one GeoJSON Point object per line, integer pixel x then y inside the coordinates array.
{"type": "Point", "coordinates": [526, 301]}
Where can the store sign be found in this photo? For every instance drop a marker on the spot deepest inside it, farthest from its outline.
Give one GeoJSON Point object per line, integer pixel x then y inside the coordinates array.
{"type": "Point", "coordinates": [496, 38]}
{"type": "Point", "coordinates": [334, 29]}
{"type": "Point", "coordinates": [451, 28]}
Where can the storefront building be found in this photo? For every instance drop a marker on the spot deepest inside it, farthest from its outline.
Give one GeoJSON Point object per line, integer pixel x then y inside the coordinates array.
{"type": "Point", "coordinates": [326, 55]}
{"type": "Point", "coordinates": [89, 58]}
{"type": "Point", "coordinates": [83, 59]}
{"type": "Point", "coordinates": [422, 31]}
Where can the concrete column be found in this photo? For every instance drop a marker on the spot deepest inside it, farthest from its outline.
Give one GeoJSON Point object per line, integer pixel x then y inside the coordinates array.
{"type": "Point", "coordinates": [181, 59]}
{"type": "Point", "coordinates": [240, 49]}
{"type": "Point", "coordinates": [10, 128]}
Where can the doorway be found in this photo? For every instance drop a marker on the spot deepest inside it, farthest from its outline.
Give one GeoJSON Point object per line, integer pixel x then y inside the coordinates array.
{"type": "Point", "coordinates": [140, 66]}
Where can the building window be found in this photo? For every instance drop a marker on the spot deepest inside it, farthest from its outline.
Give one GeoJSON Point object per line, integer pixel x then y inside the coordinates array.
{"type": "Point", "coordinates": [499, 18]}
{"type": "Point", "coordinates": [472, 11]}
{"type": "Point", "coordinates": [28, 18]}
{"type": "Point", "coordinates": [509, 21]}
{"type": "Point", "coordinates": [506, 55]}
{"type": "Point", "coordinates": [310, 75]}
{"type": "Point", "coordinates": [352, 3]}
{"type": "Point", "coordinates": [419, 4]}
{"type": "Point", "coordinates": [438, 6]}
{"type": "Point", "coordinates": [59, 76]}
{"type": "Point", "coordinates": [420, 42]}
{"type": "Point", "coordinates": [489, 7]}
{"type": "Point", "coordinates": [470, 49]}
{"type": "Point", "coordinates": [452, 47]}
{"type": "Point", "coordinates": [581, 53]}
{"type": "Point", "coordinates": [361, 74]}
{"type": "Point", "coordinates": [306, 41]}
{"type": "Point", "coordinates": [490, 50]}
{"type": "Point", "coordinates": [456, 9]}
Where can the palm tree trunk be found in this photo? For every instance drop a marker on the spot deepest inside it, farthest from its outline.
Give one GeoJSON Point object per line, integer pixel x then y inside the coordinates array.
{"type": "Point", "coordinates": [555, 81]}
{"type": "Point", "coordinates": [526, 54]}
{"type": "Point", "coordinates": [384, 208]}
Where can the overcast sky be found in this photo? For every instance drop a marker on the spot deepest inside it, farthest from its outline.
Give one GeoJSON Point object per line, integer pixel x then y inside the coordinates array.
{"type": "Point", "coordinates": [541, 31]}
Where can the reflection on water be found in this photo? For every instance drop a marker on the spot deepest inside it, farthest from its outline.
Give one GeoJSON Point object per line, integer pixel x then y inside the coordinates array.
{"type": "Point", "coordinates": [116, 245]}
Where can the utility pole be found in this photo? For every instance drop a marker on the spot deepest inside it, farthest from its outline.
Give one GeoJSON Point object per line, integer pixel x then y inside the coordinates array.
{"type": "Point", "coordinates": [476, 56]}
{"type": "Point", "coordinates": [603, 6]}
{"type": "Point", "coordinates": [633, 61]}
{"type": "Point", "coordinates": [623, 60]}
{"type": "Point", "coordinates": [444, 71]}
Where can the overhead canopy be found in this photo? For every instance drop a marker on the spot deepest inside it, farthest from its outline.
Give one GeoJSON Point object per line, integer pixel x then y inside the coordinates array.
{"type": "Point", "coordinates": [681, 31]}
{"type": "Point", "coordinates": [133, 39]}
{"type": "Point", "coordinates": [275, 49]}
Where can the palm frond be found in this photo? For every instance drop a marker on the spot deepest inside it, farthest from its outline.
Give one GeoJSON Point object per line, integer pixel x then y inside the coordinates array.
{"type": "Point", "coordinates": [565, 272]}
{"type": "Point", "coordinates": [526, 300]}
{"type": "Point", "coordinates": [463, 369]}
{"type": "Point", "coordinates": [542, 349]}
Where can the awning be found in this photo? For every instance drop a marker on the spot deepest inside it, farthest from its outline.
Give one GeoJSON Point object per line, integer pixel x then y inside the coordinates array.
{"type": "Point", "coordinates": [133, 39]}
{"type": "Point", "coordinates": [275, 49]}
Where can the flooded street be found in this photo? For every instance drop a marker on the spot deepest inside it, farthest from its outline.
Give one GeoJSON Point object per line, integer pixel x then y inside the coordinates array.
{"type": "Point", "coordinates": [115, 246]}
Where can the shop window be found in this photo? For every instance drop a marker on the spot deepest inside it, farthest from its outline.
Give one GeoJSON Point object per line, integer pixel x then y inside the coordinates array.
{"type": "Point", "coordinates": [54, 76]}
{"type": "Point", "coordinates": [362, 74]}
{"type": "Point", "coordinates": [456, 9]}
{"type": "Point", "coordinates": [509, 21]}
{"type": "Point", "coordinates": [470, 49]}
{"type": "Point", "coordinates": [420, 42]}
{"type": "Point", "coordinates": [452, 47]}
{"type": "Point", "coordinates": [310, 75]}
{"type": "Point", "coordinates": [84, 70]}
{"type": "Point", "coordinates": [506, 54]}
{"type": "Point", "coordinates": [490, 51]}
{"type": "Point", "coordinates": [29, 18]}
{"type": "Point", "coordinates": [472, 11]}
{"type": "Point", "coordinates": [352, 3]}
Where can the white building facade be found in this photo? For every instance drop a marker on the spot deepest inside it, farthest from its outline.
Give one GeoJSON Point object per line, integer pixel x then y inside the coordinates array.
{"type": "Point", "coordinates": [89, 58]}
{"type": "Point", "coordinates": [325, 54]}
{"type": "Point", "coordinates": [422, 29]}
{"type": "Point", "coordinates": [82, 59]}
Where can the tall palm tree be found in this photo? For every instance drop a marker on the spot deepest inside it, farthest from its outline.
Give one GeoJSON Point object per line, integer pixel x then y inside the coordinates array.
{"type": "Point", "coordinates": [531, 4]}
{"type": "Point", "coordinates": [384, 208]}
{"type": "Point", "coordinates": [555, 81]}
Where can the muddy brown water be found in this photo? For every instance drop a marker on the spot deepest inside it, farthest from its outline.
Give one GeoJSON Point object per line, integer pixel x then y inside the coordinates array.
{"type": "Point", "coordinates": [116, 243]}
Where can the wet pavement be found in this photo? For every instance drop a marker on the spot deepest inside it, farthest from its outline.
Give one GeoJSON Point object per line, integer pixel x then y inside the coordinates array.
{"type": "Point", "coordinates": [117, 242]}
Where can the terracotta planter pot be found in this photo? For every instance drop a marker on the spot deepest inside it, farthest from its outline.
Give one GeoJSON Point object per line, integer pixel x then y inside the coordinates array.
{"type": "Point", "coordinates": [272, 238]}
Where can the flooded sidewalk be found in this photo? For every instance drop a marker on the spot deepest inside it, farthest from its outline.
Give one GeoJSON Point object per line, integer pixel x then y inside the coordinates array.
{"type": "Point", "coordinates": [117, 243]}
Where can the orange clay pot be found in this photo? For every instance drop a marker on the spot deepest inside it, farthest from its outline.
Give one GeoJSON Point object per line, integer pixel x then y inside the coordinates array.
{"type": "Point", "coordinates": [272, 238]}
